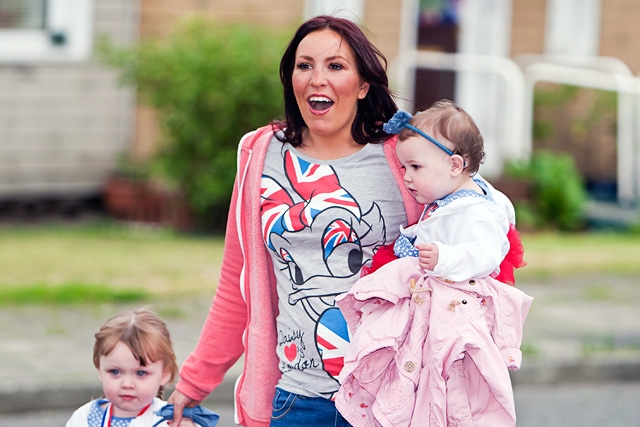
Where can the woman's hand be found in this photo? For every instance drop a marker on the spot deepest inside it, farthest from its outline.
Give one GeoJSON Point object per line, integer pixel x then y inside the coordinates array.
{"type": "Point", "coordinates": [428, 255]}
{"type": "Point", "coordinates": [186, 422]}
{"type": "Point", "coordinates": [181, 401]}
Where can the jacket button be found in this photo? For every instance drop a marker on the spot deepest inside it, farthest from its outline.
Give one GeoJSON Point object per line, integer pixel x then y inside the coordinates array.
{"type": "Point", "coordinates": [409, 366]}
{"type": "Point", "coordinates": [472, 282]}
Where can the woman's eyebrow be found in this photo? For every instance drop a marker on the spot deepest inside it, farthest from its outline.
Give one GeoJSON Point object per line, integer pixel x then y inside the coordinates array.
{"type": "Point", "coordinates": [330, 58]}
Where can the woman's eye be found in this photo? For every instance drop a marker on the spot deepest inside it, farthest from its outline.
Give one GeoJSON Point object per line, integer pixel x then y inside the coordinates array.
{"type": "Point", "coordinates": [335, 66]}
{"type": "Point", "coordinates": [303, 66]}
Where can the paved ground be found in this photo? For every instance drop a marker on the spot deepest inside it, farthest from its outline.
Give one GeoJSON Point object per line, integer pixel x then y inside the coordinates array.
{"type": "Point", "coordinates": [566, 405]}
{"type": "Point", "coordinates": [580, 330]}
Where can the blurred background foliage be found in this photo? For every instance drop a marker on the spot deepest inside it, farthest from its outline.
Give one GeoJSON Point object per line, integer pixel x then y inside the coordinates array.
{"type": "Point", "coordinates": [210, 83]}
{"type": "Point", "coordinates": [573, 160]}
{"type": "Point", "coordinates": [556, 193]}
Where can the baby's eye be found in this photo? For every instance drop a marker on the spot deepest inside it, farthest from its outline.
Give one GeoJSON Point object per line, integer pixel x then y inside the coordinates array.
{"type": "Point", "coordinates": [415, 167]}
{"type": "Point", "coordinates": [141, 373]}
{"type": "Point", "coordinates": [114, 372]}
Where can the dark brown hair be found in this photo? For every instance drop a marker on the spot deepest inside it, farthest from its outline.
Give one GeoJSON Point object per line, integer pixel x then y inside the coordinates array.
{"type": "Point", "coordinates": [146, 335]}
{"type": "Point", "coordinates": [447, 119]}
{"type": "Point", "coordinates": [375, 109]}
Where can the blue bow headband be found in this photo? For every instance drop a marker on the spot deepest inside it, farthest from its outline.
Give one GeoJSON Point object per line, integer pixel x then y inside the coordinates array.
{"type": "Point", "coordinates": [400, 120]}
{"type": "Point", "coordinates": [201, 416]}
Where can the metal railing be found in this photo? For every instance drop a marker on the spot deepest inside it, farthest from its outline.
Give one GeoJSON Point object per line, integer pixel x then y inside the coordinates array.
{"type": "Point", "coordinates": [511, 107]}
{"type": "Point", "coordinates": [520, 76]}
{"type": "Point", "coordinates": [628, 88]}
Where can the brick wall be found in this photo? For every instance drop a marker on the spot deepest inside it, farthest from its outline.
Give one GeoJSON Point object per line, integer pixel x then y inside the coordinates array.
{"type": "Point", "coordinates": [527, 26]}
{"type": "Point", "coordinates": [382, 22]}
{"type": "Point", "coordinates": [158, 16]}
{"type": "Point", "coordinates": [620, 31]}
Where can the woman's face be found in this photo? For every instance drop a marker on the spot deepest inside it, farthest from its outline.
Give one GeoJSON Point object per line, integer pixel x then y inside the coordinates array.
{"type": "Point", "coordinates": [326, 84]}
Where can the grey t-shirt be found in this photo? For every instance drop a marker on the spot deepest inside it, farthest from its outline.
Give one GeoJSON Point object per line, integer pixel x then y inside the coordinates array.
{"type": "Point", "coordinates": [322, 221]}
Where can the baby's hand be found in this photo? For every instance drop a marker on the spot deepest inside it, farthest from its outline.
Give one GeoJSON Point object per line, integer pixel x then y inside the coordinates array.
{"type": "Point", "coordinates": [428, 255]}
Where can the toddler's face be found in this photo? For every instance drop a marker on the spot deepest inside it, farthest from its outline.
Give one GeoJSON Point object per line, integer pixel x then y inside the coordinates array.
{"type": "Point", "coordinates": [427, 169]}
{"type": "Point", "coordinates": [129, 386]}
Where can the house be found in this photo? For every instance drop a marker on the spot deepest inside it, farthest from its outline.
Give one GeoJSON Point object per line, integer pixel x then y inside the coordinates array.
{"type": "Point", "coordinates": [65, 121]}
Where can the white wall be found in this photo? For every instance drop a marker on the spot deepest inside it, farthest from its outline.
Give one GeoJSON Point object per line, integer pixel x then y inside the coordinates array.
{"type": "Point", "coordinates": [64, 124]}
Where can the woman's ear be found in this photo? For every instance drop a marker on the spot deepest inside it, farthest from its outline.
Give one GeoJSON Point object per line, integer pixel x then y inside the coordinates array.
{"type": "Point", "coordinates": [457, 165]}
{"type": "Point", "coordinates": [364, 89]}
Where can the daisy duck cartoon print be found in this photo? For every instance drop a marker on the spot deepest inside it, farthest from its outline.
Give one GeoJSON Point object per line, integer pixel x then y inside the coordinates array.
{"type": "Point", "coordinates": [307, 214]}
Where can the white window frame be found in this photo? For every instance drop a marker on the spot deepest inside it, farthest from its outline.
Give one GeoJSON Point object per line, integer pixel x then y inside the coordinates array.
{"type": "Point", "coordinates": [572, 27]}
{"type": "Point", "coordinates": [71, 20]}
{"type": "Point", "coordinates": [485, 30]}
{"type": "Point", "coordinates": [348, 9]}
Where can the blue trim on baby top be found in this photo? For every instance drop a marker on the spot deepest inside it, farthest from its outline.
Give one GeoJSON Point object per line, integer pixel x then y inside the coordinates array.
{"type": "Point", "coordinates": [404, 245]}
{"type": "Point", "coordinates": [460, 194]}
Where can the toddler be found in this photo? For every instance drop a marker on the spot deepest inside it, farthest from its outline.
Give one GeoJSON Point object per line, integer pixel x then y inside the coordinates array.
{"type": "Point", "coordinates": [134, 357]}
{"type": "Point", "coordinates": [467, 229]}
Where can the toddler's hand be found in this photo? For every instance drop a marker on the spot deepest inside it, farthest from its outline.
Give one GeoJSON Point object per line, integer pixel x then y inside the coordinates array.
{"type": "Point", "coordinates": [428, 255]}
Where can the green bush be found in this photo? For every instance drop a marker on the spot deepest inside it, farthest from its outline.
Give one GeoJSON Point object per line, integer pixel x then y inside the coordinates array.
{"type": "Point", "coordinates": [558, 195]}
{"type": "Point", "coordinates": [210, 84]}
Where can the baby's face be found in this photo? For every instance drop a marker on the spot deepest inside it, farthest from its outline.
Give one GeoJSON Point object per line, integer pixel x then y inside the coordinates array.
{"type": "Point", "coordinates": [427, 168]}
{"type": "Point", "coordinates": [129, 386]}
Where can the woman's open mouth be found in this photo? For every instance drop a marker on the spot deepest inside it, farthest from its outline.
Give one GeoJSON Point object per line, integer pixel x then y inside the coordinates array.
{"type": "Point", "coordinates": [319, 103]}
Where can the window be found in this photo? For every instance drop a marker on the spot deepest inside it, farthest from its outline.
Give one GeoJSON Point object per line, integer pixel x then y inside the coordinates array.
{"type": "Point", "coordinates": [45, 30]}
{"type": "Point", "coordinates": [349, 9]}
{"type": "Point", "coordinates": [572, 27]}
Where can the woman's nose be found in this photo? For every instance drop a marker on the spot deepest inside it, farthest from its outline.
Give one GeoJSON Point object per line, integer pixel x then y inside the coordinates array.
{"type": "Point", "coordinates": [318, 77]}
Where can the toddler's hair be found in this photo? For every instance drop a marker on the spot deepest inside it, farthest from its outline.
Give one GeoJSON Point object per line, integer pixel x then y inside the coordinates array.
{"type": "Point", "coordinates": [146, 335]}
{"type": "Point", "coordinates": [446, 119]}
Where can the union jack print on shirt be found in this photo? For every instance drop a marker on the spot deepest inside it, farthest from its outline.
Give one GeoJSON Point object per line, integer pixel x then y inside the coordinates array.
{"type": "Point", "coordinates": [332, 338]}
{"type": "Point", "coordinates": [316, 184]}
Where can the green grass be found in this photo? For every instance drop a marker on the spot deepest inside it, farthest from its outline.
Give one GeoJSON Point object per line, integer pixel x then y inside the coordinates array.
{"type": "Point", "coordinates": [558, 255]}
{"type": "Point", "coordinates": [104, 262]}
{"type": "Point", "coordinates": [112, 262]}
{"type": "Point", "coordinates": [70, 293]}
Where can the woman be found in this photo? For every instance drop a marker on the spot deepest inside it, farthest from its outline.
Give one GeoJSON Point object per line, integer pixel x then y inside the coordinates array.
{"type": "Point", "coordinates": [314, 197]}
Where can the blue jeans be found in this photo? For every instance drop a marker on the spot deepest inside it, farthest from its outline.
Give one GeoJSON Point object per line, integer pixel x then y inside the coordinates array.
{"type": "Point", "coordinates": [291, 409]}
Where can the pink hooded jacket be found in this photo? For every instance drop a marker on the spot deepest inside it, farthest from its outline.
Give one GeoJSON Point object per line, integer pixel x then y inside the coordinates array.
{"type": "Point", "coordinates": [242, 318]}
{"type": "Point", "coordinates": [425, 352]}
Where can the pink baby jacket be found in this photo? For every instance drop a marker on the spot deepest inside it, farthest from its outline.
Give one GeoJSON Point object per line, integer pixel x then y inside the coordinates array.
{"type": "Point", "coordinates": [425, 352]}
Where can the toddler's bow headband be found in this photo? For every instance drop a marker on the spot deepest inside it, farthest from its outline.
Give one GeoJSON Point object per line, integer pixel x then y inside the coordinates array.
{"type": "Point", "coordinates": [400, 120]}
{"type": "Point", "coordinates": [201, 416]}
